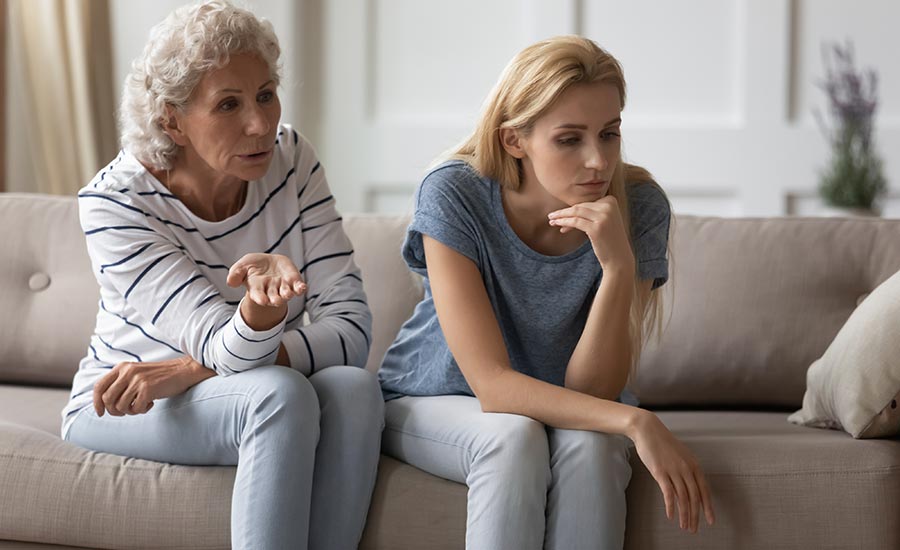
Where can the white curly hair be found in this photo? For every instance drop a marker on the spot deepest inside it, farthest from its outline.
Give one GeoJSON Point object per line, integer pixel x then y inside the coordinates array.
{"type": "Point", "coordinates": [187, 44]}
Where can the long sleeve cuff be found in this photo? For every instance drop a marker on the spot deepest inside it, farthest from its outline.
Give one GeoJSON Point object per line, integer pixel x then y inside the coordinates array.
{"type": "Point", "coordinates": [248, 348]}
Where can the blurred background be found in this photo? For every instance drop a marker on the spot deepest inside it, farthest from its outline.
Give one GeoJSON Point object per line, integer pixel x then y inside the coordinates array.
{"type": "Point", "coordinates": [721, 93]}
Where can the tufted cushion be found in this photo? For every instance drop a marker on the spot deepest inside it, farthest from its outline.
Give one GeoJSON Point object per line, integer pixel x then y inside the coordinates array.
{"type": "Point", "coordinates": [47, 291]}
{"type": "Point", "coordinates": [755, 302]}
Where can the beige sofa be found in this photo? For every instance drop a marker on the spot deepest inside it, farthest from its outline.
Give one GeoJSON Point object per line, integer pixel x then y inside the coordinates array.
{"type": "Point", "coordinates": [755, 301]}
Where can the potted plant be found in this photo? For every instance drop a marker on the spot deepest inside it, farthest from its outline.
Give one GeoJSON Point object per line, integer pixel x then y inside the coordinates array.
{"type": "Point", "coordinates": [853, 181]}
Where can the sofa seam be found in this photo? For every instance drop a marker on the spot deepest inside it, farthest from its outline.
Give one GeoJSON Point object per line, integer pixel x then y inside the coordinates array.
{"type": "Point", "coordinates": [831, 473]}
{"type": "Point", "coordinates": [109, 466]}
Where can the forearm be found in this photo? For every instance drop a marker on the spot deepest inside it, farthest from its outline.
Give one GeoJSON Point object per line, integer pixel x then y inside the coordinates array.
{"type": "Point", "coordinates": [473, 335]}
{"type": "Point", "coordinates": [601, 361]}
{"type": "Point", "coordinates": [194, 372]}
{"type": "Point", "coordinates": [260, 317]}
{"type": "Point", "coordinates": [516, 393]}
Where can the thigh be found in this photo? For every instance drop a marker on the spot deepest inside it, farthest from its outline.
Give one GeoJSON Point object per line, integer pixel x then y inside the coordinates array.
{"type": "Point", "coordinates": [201, 426]}
{"type": "Point", "coordinates": [444, 435]}
{"type": "Point", "coordinates": [586, 503]}
{"type": "Point", "coordinates": [351, 393]}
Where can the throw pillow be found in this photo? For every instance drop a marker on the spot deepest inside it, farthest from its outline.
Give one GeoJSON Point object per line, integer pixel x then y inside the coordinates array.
{"type": "Point", "coordinates": [855, 385]}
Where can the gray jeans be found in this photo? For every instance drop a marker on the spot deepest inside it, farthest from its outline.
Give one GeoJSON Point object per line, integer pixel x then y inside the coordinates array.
{"type": "Point", "coordinates": [530, 486]}
{"type": "Point", "coordinates": [306, 450]}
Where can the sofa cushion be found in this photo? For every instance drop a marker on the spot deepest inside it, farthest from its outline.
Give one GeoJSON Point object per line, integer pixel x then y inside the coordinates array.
{"type": "Point", "coordinates": [753, 302]}
{"type": "Point", "coordinates": [774, 485]}
{"type": "Point", "coordinates": [855, 384]}
{"type": "Point", "coordinates": [33, 406]}
{"type": "Point", "coordinates": [763, 474]}
{"type": "Point", "coordinates": [57, 493]}
{"type": "Point", "coordinates": [413, 509]}
{"type": "Point", "coordinates": [46, 288]}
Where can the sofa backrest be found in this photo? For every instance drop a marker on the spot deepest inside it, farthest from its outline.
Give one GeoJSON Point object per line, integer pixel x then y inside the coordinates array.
{"type": "Point", "coordinates": [751, 302]}
{"type": "Point", "coordinates": [755, 301]}
{"type": "Point", "coordinates": [391, 288]}
{"type": "Point", "coordinates": [48, 296]}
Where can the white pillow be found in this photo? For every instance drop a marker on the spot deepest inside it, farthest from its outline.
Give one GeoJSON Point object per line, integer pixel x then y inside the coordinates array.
{"type": "Point", "coordinates": [855, 385]}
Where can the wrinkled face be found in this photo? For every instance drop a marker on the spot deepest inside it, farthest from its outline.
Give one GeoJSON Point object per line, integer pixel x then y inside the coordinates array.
{"type": "Point", "coordinates": [230, 122]}
{"type": "Point", "coordinates": [573, 149]}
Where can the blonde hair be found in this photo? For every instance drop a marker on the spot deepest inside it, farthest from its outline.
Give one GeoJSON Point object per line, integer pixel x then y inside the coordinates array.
{"type": "Point", "coordinates": [527, 88]}
{"type": "Point", "coordinates": [187, 44]}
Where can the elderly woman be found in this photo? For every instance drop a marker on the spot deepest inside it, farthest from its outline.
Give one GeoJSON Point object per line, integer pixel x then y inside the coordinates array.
{"type": "Point", "coordinates": [211, 235]}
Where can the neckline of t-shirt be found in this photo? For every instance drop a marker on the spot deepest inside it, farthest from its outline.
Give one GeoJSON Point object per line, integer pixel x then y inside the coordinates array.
{"type": "Point", "coordinates": [506, 228]}
{"type": "Point", "coordinates": [200, 223]}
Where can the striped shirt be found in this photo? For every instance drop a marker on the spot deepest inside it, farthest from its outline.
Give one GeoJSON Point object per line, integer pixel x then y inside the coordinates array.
{"type": "Point", "coordinates": [162, 270]}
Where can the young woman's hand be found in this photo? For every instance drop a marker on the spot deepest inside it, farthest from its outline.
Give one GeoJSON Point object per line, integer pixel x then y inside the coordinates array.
{"type": "Point", "coordinates": [271, 279]}
{"type": "Point", "coordinates": [131, 388]}
{"type": "Point", "coordinates": [602, 222]}
{"type": "Point", "coordinates": [675, 470]}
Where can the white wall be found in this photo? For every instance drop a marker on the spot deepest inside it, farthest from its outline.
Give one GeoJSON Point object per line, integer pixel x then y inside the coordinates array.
{"type": "Point", "coordinates": [720, 91]}
{"type": "Point", "coordinates": [133, 19]}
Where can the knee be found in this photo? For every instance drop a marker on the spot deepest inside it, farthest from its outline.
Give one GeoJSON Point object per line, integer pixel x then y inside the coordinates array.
{"type": "Point", "coordinates": [281, 394]}
{"type": "Point", "coordinates": [350, 390]}
{"type": "Point", "coordinates": [522, 439]}
{"type": "Point", "coordinates": [580, 449]}
{"type": "Point", "coordinates": [511, 456]}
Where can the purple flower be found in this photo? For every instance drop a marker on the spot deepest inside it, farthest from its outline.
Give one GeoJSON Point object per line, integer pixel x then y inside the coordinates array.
{"type": "Point", "coordinates": [852, 97]}
{"type": "Point", "coordinates": [854, 176]}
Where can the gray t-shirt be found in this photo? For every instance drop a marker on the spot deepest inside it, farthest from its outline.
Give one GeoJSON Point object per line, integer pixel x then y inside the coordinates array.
{"type": "Point", "coordinates": [541, 302]}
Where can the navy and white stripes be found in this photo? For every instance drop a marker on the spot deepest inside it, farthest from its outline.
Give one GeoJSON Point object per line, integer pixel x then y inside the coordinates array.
{"type": "Point", "coordinates": [162, 272]}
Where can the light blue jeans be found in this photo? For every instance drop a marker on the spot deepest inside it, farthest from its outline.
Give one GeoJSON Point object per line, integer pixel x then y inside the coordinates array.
{"type": "Point", "coordinates": [530, 486]}
{"type": "Point", "coordinates": [306, 450]}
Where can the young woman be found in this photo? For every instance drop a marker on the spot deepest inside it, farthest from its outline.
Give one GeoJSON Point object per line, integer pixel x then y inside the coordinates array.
{"type": "Point", "coordinates": [542, 252]}
{"type": "Point", "coordinates": [211, 234]}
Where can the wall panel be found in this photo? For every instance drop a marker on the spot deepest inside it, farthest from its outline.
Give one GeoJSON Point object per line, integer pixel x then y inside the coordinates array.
{"type": "Point", "coordinates": [721, 92]}
{"type": "Point", "coordinates": [682, 70]}
{"type": "Point", "coordinates": [872, 27]}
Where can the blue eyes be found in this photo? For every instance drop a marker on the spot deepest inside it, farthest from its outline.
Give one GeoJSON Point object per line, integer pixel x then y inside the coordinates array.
{"type": "Point", "coordinates": [231, 104]}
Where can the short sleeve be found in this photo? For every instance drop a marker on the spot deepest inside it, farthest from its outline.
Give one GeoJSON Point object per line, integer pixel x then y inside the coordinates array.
{"type": "Point", "coordinates": [650, 220]}
{"type": "Point", "coordinates": [442, 211]}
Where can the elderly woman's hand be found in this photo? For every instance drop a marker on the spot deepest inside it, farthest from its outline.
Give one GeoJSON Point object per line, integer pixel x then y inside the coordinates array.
{"type": "Point", "coordinates": [271, 279]}
{"type": "Point", "coordinates": [131, 388]}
